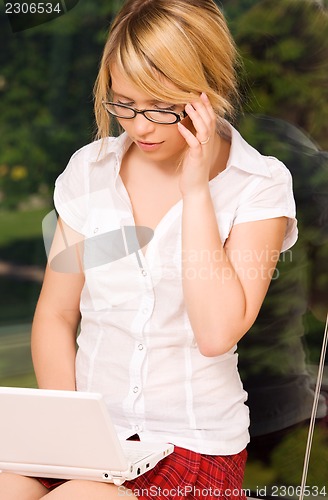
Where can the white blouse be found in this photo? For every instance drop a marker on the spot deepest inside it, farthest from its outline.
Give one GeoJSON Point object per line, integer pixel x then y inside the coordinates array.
{"type": "Point", "coordinates": [136, 344]}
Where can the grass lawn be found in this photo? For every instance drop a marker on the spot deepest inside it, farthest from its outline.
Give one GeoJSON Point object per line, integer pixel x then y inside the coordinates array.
{"type": "Point", "coordinates": [21, 243]}
{"type": "Point", "coordinates": [27, 380]}
{"type": "Point", "coordinates": [18, 225]}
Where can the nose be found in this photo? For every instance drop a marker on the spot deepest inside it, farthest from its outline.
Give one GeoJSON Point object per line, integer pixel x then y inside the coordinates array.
{"type": "Point", "coordinates": [142, 126]}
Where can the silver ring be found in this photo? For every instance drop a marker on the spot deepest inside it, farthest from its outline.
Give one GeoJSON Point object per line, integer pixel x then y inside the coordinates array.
{"type": "Point", "coordinates": [205, 142]}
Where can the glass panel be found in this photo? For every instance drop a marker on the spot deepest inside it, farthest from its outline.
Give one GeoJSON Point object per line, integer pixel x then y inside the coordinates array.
{"type": "Point", "coordinates": [22, 262]}
{"type": "Point", "coordinates": [280, 355]}
{"type": "Point", "coordinates": [47, 70]}
{"type": "Point", "coordinates": [46, 80]}
{"type": "Point", "coordinates": [285, 47]}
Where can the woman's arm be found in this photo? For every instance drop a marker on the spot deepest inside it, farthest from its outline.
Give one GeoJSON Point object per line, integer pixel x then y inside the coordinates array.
{"type": "Point", "coordinates": [224, 287]}
{"type": "Point", "coordinates": [57, 318]}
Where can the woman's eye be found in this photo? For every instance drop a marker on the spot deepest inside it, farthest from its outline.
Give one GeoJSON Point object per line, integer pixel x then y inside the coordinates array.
{"type": "Point", "coordinates": [166, 108]}
{"type": "Point", "coordinates": [124, 103]}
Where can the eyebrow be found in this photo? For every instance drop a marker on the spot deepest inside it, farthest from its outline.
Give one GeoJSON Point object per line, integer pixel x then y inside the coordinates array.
{"type": "Point", "coordinates": [122, 96]}
{"type": "Point", "coordinates": [150, 101]}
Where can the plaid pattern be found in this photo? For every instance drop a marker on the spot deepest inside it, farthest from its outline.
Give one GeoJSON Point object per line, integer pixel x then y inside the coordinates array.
{"type": "Point", "coordinates": [50, 483]}
{"type": "Point", "coordinates": [187, 475]}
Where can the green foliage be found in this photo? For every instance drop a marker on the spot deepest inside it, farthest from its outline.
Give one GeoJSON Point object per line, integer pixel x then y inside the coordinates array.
{"type": "Point", "coordinates": [46, 80]}
{"type": "Point", "coordinates": [47, 75]}
{"type": "Point", "coordinates": [288, 457]}
{"type": "Point", "coordinates": [234, 8]}
{"type": "Point", "coordinates": [258, 475]}
{"type": "Point", "coordinates": [284, 45]}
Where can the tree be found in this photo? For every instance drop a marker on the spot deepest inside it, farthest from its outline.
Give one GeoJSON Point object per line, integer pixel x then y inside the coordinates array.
{"type": "Point", "coordinates": [46, 80]}
{"type": "Point", "coordinates": [284, 45]}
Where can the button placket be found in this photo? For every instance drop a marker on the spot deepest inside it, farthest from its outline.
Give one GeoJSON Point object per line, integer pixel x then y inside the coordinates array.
{"type": "Point", "coordinates": [136, 397]}
{"type": "Point", "coordinates": [136, 377]}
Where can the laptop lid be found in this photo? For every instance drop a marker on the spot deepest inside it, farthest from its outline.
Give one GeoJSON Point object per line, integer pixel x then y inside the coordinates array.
{"type": "Point", "coordinates": [63, 434]}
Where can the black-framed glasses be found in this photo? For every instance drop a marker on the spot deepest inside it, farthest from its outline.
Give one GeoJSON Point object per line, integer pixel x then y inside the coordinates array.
{"type": "Point", "coordinates": [162, 116]}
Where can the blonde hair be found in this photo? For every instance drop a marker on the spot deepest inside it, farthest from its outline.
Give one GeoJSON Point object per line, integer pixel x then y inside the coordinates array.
{"type": "Point", "coordinates": [184, 41]}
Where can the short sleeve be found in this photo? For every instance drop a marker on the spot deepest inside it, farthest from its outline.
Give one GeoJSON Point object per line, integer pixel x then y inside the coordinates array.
{"type": "Point", "coordinates": [268, 197]}
{"type": "Point", "coordinates": [71, 193]}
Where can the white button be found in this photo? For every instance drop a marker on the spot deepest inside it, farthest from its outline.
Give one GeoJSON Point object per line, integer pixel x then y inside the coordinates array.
{"type": "Point", "coordinates": [135, 389]}
{"type": "Point", "coordinates": [96, 229]}
{"type": "Point", "coordinates": [145, 310]}
{"type": "Point", "coordinates": [143, 272]}
{"type": "Point", "coordinates": [137, 428]}
{"type": "Point", "coordinates": [140, 347]}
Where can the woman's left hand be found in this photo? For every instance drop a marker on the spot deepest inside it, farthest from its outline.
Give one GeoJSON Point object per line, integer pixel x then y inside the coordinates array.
{"type": "Point", "coordinates": [203, 144]}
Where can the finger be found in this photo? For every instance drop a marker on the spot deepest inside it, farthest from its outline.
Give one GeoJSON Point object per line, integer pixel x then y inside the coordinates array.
{"type": "Point", "coordinates": [206, 111]}
{"type": "Point", "coordinates": [189, 137]}
{"type": "Point", "coordinates": [208, 105]}
{"type": "Point", "coordinates": [206, 114]}
{"type": "Point", "coordinates": [200, 121]}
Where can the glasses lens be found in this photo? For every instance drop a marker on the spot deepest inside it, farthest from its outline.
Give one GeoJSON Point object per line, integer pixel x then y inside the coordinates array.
{"type": "Point", "coordinates": [161, 116]}
{"type": "Point", "coordinates": [119, 110]}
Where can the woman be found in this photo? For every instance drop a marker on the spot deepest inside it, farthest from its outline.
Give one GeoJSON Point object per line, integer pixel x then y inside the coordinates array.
{"type": "Point", "coordinates": [160, 323]}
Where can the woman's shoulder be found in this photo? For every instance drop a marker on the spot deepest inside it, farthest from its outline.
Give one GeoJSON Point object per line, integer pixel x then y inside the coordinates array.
{"type": "Point", "coordinates": [276, 167]}
{"type": "Point", "coordinates": [250, 160]}
{"type": "Point", "coordinates": [95, 151]}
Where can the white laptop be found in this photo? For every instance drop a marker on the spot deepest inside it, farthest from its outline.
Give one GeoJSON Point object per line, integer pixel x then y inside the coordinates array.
{"type": "Point", "coordinates": [68, 435]}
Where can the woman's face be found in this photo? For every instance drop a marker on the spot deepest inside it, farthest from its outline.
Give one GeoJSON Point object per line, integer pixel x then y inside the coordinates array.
{"type": "Point", "coordinates": [156, 142]}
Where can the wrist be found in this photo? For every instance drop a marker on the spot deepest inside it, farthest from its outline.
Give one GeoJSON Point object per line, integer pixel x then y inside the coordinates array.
{"type": "Point", "coordinates": [198, 194]}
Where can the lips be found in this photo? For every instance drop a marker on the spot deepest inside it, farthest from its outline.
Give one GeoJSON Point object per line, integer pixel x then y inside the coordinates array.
{"type": "Point", "coordinates": [148, 143]}
{"type": "Point", "coordinates": [148, 146]}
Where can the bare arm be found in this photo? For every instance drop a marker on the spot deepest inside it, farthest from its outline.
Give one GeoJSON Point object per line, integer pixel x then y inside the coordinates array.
{"type": "Point", "coordinates": [224, 287]}
{"type": "Point", "coordinates": [56, 320]}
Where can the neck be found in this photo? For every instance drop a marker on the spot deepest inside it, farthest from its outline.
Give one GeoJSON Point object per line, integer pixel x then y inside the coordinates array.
{"type": "Point", "coordinates": [221, 156]}
{"type": "Point", "coordinates": [168, 167]}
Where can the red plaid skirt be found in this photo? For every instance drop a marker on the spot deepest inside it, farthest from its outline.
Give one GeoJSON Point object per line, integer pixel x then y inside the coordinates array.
{"type": "Point", "coordinates": [186, 475]}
